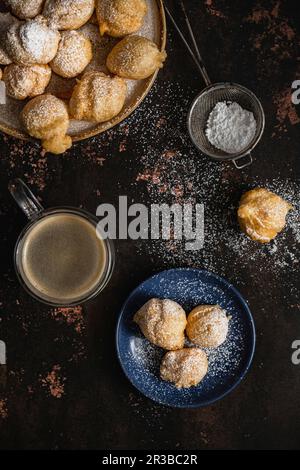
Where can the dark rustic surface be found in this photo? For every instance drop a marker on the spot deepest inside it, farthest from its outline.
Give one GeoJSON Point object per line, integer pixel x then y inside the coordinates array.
{"type": "Point", "coordinates": [65, 388]}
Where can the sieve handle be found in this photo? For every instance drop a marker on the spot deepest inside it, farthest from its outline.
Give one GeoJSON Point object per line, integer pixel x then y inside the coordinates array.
{"type": "Point", "coordinates": [196, 57]}
{"type": "Point", "coordinates": [25, 199]}
{"type": "Point", "coordinates": [247, 161]}
{"type": "Point", "coordinates": [197, 50]}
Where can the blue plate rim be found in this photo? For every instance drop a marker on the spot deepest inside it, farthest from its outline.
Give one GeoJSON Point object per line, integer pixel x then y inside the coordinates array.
{"type": "Point", "coordinates": [241, 375]}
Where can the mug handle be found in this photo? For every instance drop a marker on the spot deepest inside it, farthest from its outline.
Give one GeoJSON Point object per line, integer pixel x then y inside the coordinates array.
{"type": "Point", "coordinates": [247, 161]}
{"type": "Point", "coordinates": [25, 199]}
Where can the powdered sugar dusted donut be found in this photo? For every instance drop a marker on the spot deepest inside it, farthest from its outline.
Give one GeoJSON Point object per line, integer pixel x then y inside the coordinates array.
{"type": "Point", "coordinates": [185, 368]}
{"type": "Point", "coordinates": [262, 214]}
{"type": "Point", "coordinates": [98, 97]}
{"type": "Point", "coordinates": [162, 322]}
{"type": "Point", "coordinates": [26, 81]}
{"type": "Point", "coordinates": [207, 326]}
{"type": "Point", "coordinates": [135, 57]}
{"type": "Point", "coordinates": [68, 14]}
{"type": "Point", "coordinates": [32, 42]}
{"type": "Point", "coordinates": [46, 117]}
{"type": "Point", "coordinates": [118, 18]}
{"type": "Point", "coordinates": [73, 55]}
{"type": "Point", "coordinates": [25, 9]}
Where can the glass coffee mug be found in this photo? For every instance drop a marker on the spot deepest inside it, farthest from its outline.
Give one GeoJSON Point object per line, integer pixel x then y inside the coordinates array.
{"type": "Point", "coordinates": [60, 257]}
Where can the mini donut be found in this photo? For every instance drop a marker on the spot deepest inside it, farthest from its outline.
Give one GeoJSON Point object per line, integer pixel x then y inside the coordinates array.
{"type": "Point", "coordinates": [118, 18]}
{"type": "Point", "coordinates": [32, 42]}
{"type": "Point", "coordinates": [162, 322]}
{"type": "Point", "coordinates": [73, 55]}
{"type": "Point", "coordinates": [25, 9]}
{"type": "Point", "coordinates": [26, 81]}
{"type": "Point", "coordinates": [207, 326]}
{"type": "Point", "coordinates": [46, 117]}
{"type": "Point", "coordinates": [98, 97]}
{"type": "Point", "coordinates": [262, 214]}
{"type": "Point", "coordinates": [185, 368]}
{"type": "Point", "coordinates": [68, 14]}
{"type": "Point", "coordinates": [135, 57]}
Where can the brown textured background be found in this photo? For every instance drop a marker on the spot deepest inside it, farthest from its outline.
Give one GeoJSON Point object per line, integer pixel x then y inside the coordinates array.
{"type": "Point", "coordinates": [65, 389]}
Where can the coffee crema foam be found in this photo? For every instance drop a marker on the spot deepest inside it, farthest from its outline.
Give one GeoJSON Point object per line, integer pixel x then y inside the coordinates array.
{"type": "Point", "coordinates": [62, 259]}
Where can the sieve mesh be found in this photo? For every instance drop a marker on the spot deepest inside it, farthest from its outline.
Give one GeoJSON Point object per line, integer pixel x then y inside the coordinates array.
{"type": "Point", "coordinates": [206, 101]}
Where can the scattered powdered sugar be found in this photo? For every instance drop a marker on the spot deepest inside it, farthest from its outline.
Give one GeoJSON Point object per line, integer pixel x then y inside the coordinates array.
{"type": "Point", "coordinates": [146, 354]}
{"type": "Point", "coordinates": [181, 174]}
{"type": "Point", "coordinates": [230, 127]}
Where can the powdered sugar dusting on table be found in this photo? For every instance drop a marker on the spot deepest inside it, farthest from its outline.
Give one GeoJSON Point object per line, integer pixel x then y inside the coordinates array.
{"type": "Point", "coordinates": [181, 174]}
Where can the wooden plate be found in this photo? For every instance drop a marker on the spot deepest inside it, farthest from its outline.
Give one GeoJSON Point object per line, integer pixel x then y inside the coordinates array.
{"type": "Point", "coordinates": [154, 28]}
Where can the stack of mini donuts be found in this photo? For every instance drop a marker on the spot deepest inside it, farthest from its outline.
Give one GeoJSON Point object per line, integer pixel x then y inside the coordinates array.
{"type": "Point", "coordinates": [42, 37]}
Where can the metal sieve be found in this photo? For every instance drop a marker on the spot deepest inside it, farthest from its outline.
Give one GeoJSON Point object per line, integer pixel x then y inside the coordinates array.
{"type": "Point", "coordinates": [204, 103]}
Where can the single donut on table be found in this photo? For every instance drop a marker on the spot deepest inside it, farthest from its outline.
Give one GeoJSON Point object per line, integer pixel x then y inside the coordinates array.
{"type": "Point", "coordinates": [207, 326]}
{"type": "Point", "coordinates": [97, 97]}
{"type": "Point", "coordinates": [25, 9]}
{"type": "Point", "coordinates": [135, 57]}
{"type": "Point", "coordinates": [185, 368]}
{"type": "Point", "coordinates": [26, 81]}
{"type": "Point", "coordinates": [68, 14]}
{"type": "Point", "coordinates": [73, 55]}
{"type": "Point", "coordinates": [46, 117]}
{"type": "Point", "coordinates": [162, 322]}
{"type": "Point", "coordinates": [262, 214]}
{"type": "Point", "coordinates": [118, 18]}
{"type": "Point", "coordinates": [32, 42]}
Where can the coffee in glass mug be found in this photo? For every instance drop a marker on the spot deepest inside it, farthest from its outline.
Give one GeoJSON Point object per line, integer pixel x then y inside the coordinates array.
{"type": "Point", "coordinates": [60, 257]}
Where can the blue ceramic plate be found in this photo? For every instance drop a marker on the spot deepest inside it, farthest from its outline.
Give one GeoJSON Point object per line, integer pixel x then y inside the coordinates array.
{"type": "Point", "coordinates": [228, 364]}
